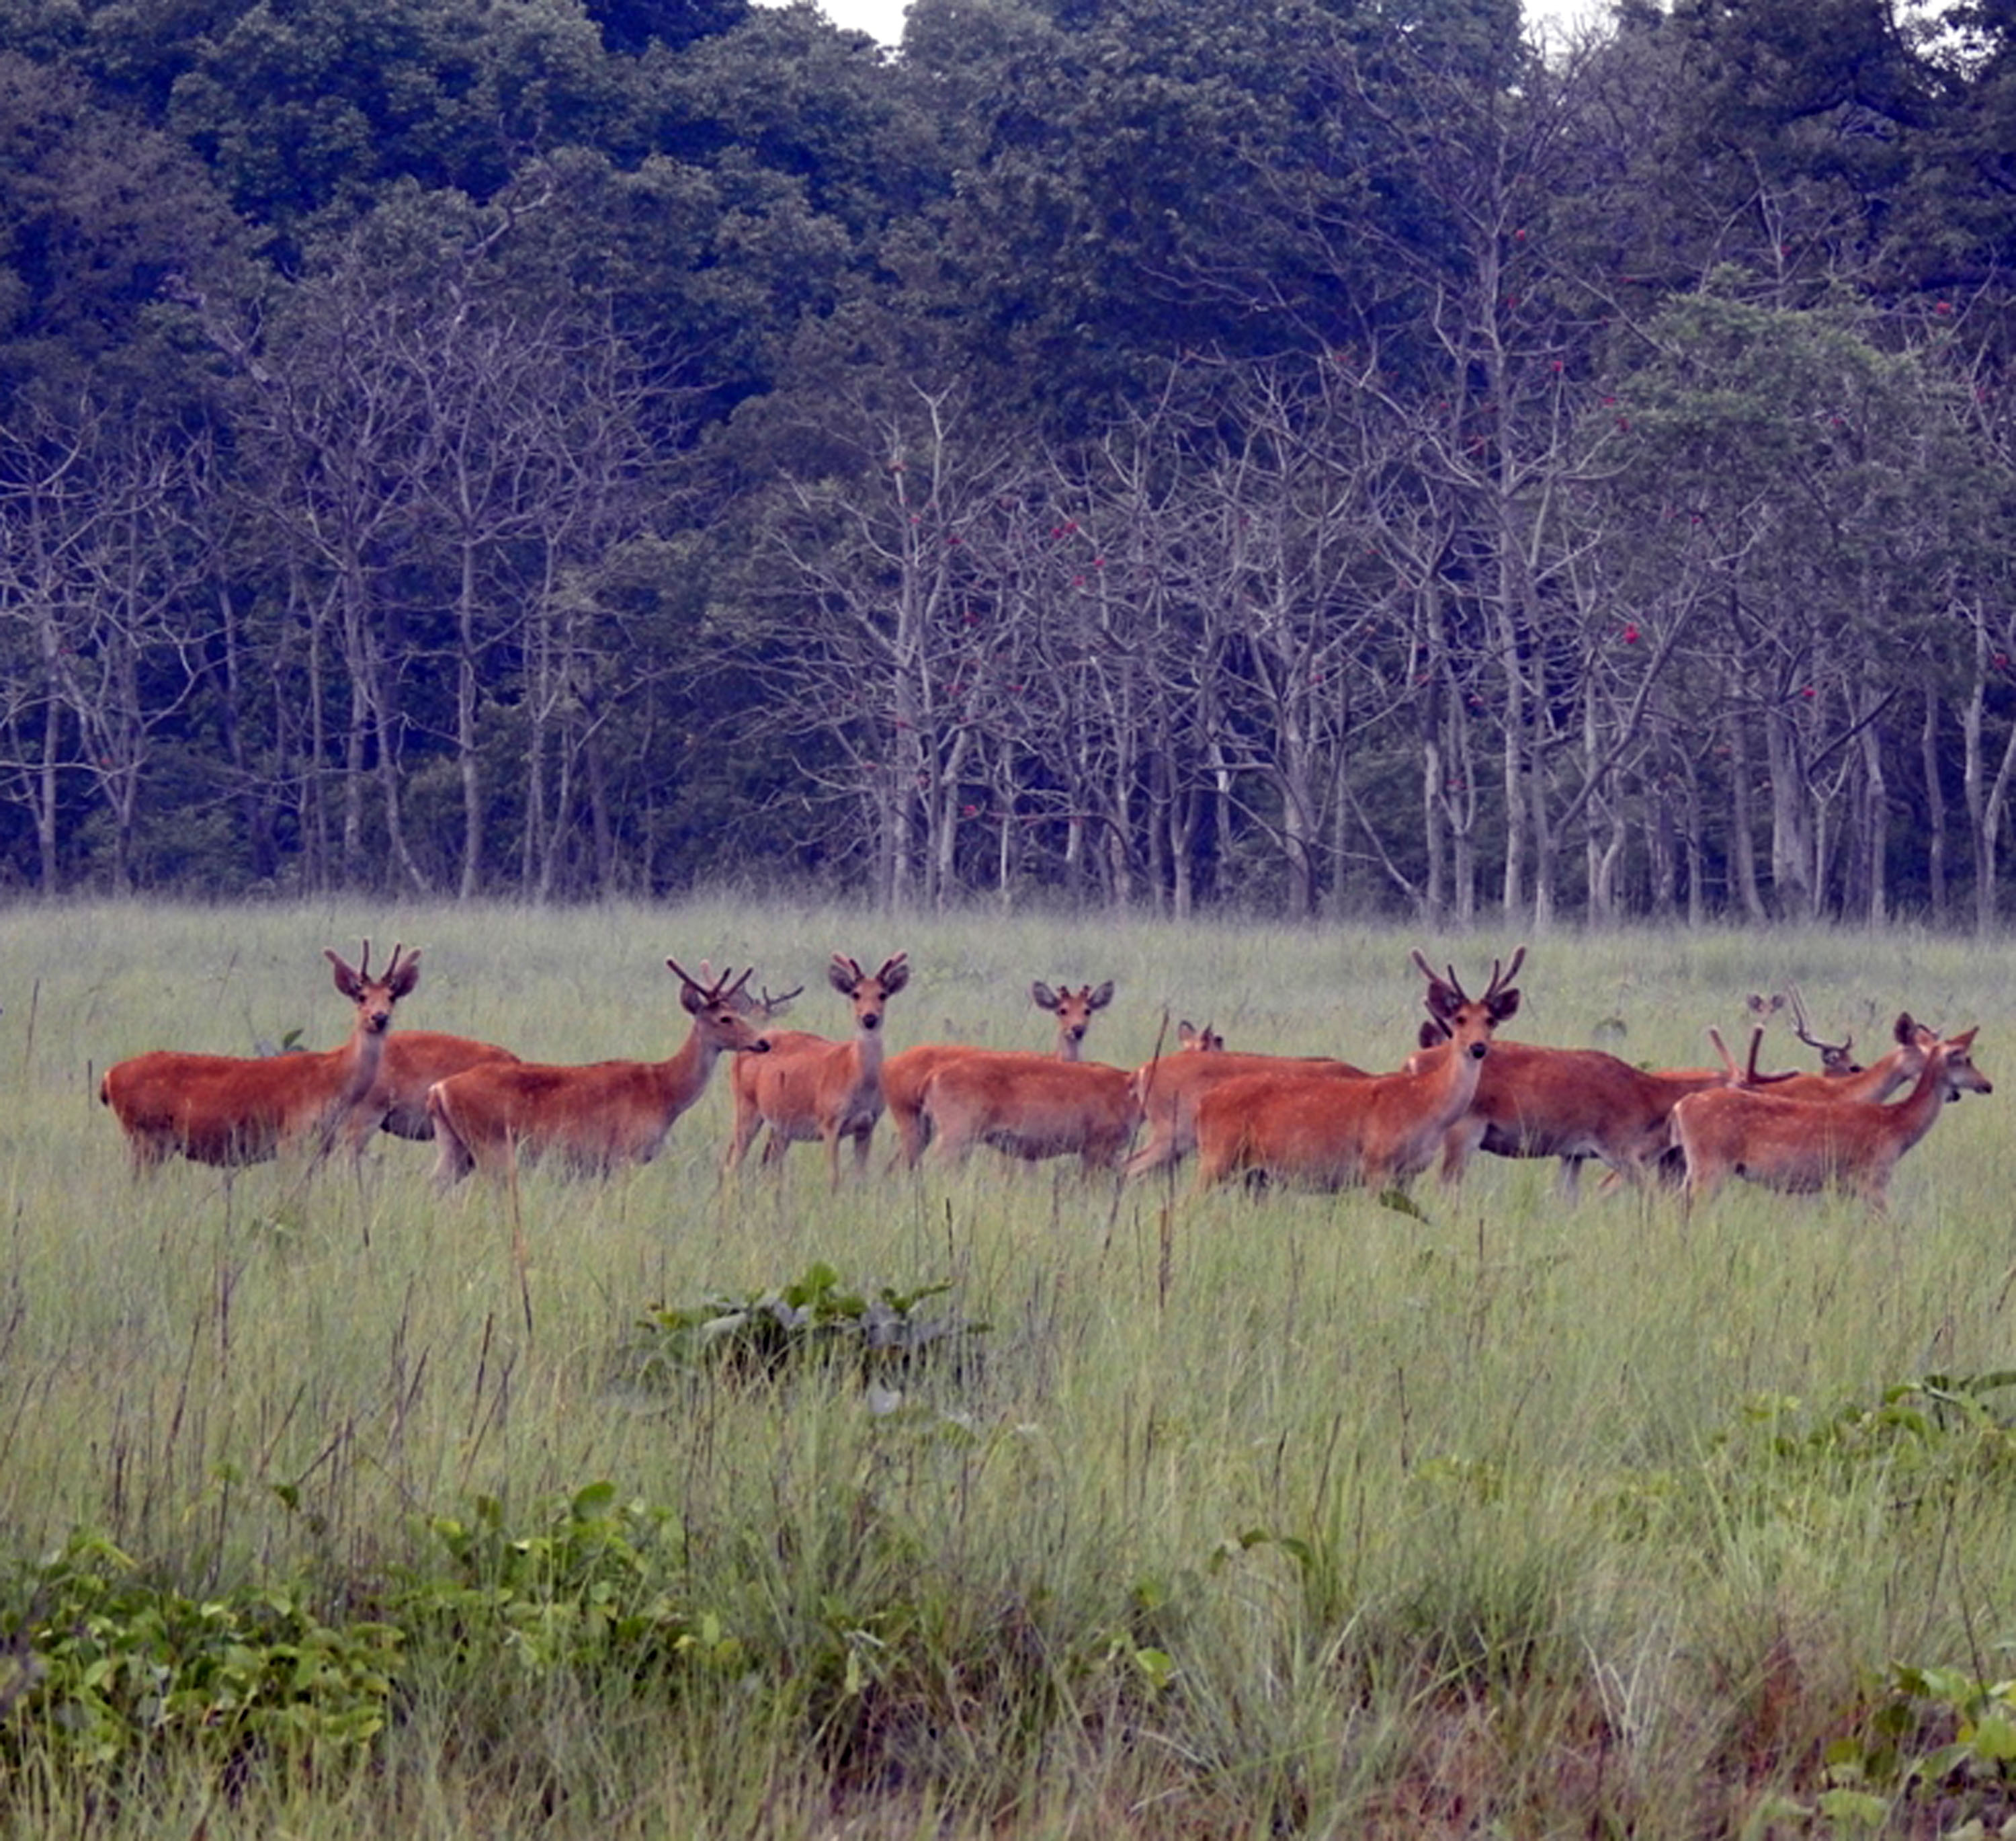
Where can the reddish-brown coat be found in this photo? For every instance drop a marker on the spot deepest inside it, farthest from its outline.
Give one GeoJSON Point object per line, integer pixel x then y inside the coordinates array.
{"type": "Point", "coordinates": [229, 1109]}
{"type": "Point", "coordinates": [591, 1118]}
{"type": "Point", "coordinates": [808, 1086]}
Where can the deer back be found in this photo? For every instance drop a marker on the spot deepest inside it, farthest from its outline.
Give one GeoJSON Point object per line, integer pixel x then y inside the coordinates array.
{"type": "Point", "coordinates": [413, 1060]}
{"type": "Point", "coordinates": [1030, 1105]}
{"type": "Point", "coordinates": [1168, 1090]}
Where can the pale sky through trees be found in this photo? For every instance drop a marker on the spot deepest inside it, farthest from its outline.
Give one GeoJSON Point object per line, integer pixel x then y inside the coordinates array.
{"type": "Point", "coordinates": [884, 18]}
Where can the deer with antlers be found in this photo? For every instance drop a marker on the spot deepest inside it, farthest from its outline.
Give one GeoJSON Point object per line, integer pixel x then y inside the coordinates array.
{"type": "Point", "coordinates": [417, 1059]}
{"type": "Point", "coordinates": [808, 1086]}
{"type": "Point", "coordinates": [1855, 1085]}
{"type": "Point", "coordinates": [229, 1110]}
{"type": "Point", "coordinates": [905, 1076]}
{"type": "Point", "coordinates": [1836, 1058]}
{"type": "Point", "coordinates": [1381, 1129]}
{"type": "Point", "coordinates": [1167, 1090]}
{"type": "Point", "coordinates": [1573, 1104]}
{"type": "Point", "coordinates": [1073, 1010]}
{"type": "Point", "coordinates": [1802, 1145]}
{"type": "Point", "coordinates": [591, 1118]}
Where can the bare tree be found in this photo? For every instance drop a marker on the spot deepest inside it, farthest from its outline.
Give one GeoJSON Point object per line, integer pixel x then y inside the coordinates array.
{"type": "Point", "coordinates": [104, 537]}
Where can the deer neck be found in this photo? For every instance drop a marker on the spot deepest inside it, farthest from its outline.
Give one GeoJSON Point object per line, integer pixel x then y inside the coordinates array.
{"type": "Point", "coordinates": [364, 1054]}
{"type": "Point", "coordinates": [1454, 1083]}
{"type": "Point", "coordinates": [681, 1078]}
{"type": "Point", "coordinates": [868, 1053]}
{"type": "Point", "coordinates": [1883, 1076]}
{"type": "Point", "coordinates": [1914, 1115]}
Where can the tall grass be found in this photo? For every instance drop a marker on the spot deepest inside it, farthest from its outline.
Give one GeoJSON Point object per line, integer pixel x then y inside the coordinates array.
{"type": "Point", "coordinates": [1308, 1514]}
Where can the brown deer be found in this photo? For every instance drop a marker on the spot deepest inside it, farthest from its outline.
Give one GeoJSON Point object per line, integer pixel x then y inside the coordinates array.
{"type": "Point", "coordinates": [591, 1118]}
{"type": "Point", "coordinates": [1573, 1104]}
{"type": "Point", "coordinates": [417, 1059]}
{"type": "Point", "coordinates": [1073, 1010]}
{"type": "Point", "coordinates": [1836, 1058]}
{"type": "Point", "coordinates": [1381, 1130]}
{"type": "Point", "coordinates": [904, 1076]}
{"type": "Point", "coordinates": [1032, 1106]}
{"type": "Point", "coordinates": [412, 1061]}
{"type": "Point", "coordinates": [810, 1087]}
{"type": "Point", "coordinates": [1803, 1145]}
{"type": "Point", "coordinates": [229, 1109]}
{"type": "Point", "coordinates": [1168, 1089]}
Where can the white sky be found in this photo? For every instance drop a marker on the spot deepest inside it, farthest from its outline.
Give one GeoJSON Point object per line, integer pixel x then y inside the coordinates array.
{"type": "Point", "coordinates": [884, 18]}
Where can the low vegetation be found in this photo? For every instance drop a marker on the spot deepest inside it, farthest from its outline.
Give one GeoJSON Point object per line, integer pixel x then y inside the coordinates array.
{"type": "Point", "coordinates": [1001, 1502]}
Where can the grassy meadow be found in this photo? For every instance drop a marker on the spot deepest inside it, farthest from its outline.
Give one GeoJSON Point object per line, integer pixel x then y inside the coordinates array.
{"type": "Point", "coordinates": [337, 1505]}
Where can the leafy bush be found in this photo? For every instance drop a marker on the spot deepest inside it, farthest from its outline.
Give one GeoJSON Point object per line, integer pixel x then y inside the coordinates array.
{"type": "Point", "coordinates": [811, 1323]}
{"type": "Point", "coordinates": [594, 1581]}
{"type": "Point", "coordinates": [108, 1666]}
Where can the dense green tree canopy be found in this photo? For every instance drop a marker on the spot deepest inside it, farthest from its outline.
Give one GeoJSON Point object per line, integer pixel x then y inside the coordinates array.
{"type": "Point", "coordinates": [1316, 454]}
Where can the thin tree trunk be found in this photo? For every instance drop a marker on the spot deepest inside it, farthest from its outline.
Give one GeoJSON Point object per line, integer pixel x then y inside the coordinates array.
{"type": "Point", "coordinates": [1937, 845]}
{"type": "Point", "coordinates": [1742, 829]}
{"type": "Point", "coordinates": [1875, 827]}
{"type": "Point", "coordinates": [466, 761]}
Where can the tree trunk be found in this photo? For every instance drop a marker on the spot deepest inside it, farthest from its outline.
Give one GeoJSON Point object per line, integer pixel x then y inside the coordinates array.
{"type": "Point", "coordinates": [1742, 828]}
{"type": "Point", "coordinates": [469, 767]}
{"type": "Point", "coordinates": [1794, 895]}
{"type": "Point", "coordinates": [1875, 840]}
{"type": "Point", "coordinates": [1937, 845]}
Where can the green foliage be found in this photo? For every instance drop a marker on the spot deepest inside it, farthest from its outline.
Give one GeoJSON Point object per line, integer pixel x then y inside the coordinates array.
{"type": "Point", "coordinates": [1942, 1736]}
{"type": "Point", "coordinates": [1932, 1436]}
{"type": "Point", "coordinates": [302, 110]}
{"type": "Point", "coordinates": [580, 1582]}
{"type": "Point", "coordinates": [106, 1668]}
{"type": "Point", "coordinates": [813, 1322]}
{"type": "Point", "coordinates": [104, 225]}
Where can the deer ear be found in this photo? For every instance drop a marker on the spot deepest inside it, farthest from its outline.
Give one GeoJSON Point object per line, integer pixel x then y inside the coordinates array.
{"type": "Point", "coordinates": [407, 975]}
{"type": "Point", "coordinates": [843, 974]}
{"type": "Point", "coordinates": [1103, 997]}
{"type": "Point", "coordinates": [348, 981]}
{"type": "Point", "coordinates": [1506, 1005]}
{"type": "Point", "coordinates": [1905, 1028]}
{"type": "Point", "coordinates": [1042, 995]}
{"type": "Point", "coordinates": [692, 995]}
{"type": "Point", "coordinates": [894, 975]}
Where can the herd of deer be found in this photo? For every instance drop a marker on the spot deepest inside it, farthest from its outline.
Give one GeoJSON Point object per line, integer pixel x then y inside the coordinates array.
{"type": "Point", "coordinates": [1312, 1121]}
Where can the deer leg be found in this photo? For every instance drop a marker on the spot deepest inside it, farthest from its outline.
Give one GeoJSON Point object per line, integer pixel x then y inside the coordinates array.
{"type": "Point", "coordinates": [1156, 1153]}
{"type": "Point", "coordinates": [452, 1159]}
{"type": "Point", "coordinates": [1460, 1144]}
{"type": "Point", "coordinates": [913, 1135]}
